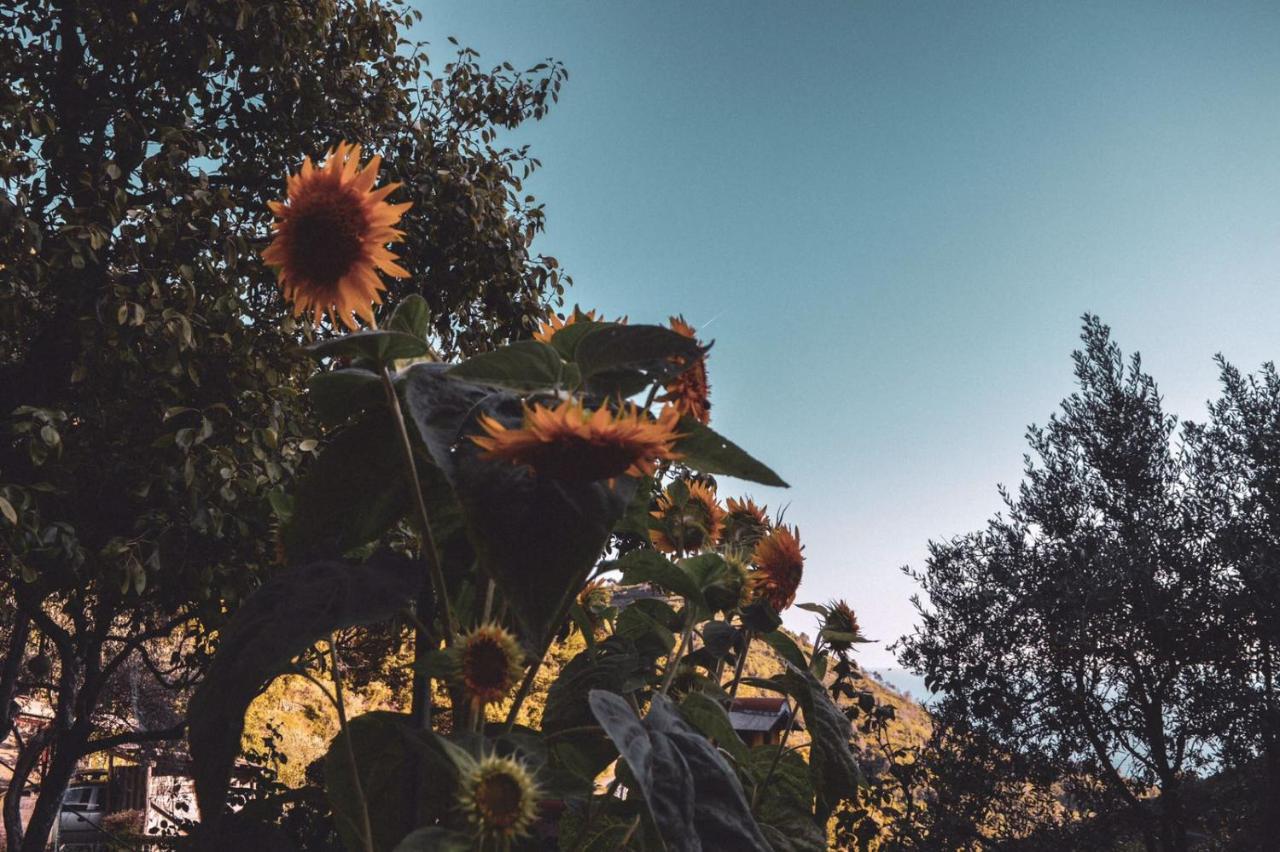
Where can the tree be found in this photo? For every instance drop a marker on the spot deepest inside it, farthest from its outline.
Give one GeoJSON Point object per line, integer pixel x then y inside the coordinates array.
{"type": "Point", "coordinates": [151, 391]}
{"type": "Point", "coordinates": [1073, 626]}
{"type": "Point", "coordinates": [1236, 473]}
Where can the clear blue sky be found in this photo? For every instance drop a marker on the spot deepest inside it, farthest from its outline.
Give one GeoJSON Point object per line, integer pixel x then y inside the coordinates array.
{"type": "Point", "coordinates": [890, 215]}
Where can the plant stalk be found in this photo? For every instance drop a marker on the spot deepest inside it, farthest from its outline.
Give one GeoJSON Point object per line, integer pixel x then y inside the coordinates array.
{"type": "Point", "coordinates": [366, 828]}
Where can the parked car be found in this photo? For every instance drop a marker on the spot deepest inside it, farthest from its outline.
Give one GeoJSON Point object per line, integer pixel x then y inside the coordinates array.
{"type": "Point", "coordinates": [80, 820]}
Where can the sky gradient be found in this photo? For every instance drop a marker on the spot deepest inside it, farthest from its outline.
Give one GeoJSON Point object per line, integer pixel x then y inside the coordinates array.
{"type": "Point", "coordinates": [890, 216]}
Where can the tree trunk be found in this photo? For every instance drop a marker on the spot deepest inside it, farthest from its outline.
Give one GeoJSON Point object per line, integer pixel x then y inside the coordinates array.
{"type": "Point", "coordinates": [22, 769]}
{"type": "Point", "coordinates": [66, 756]}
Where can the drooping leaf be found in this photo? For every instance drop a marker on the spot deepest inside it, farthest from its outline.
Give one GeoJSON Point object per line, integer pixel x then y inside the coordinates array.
{"type": "Point", "coordinates": [537, 538]}
{"type": "Point", "coordinates": [289, 613]}
{"type": "Point", "coordinates": [566, 339]}
{"type": "Point", "coordinates": [658, 768]}
{"type": "Point", "coordinates": [525, 365]}
{"type": "Point", "coordinates": [380, 347]}
{"type": "Point", "coordinates": [387, 750]}
{"type": "Point", "coordinates": [708, 452]}
{"type": "Point", "coordinates": [649, 624]}
{"type": "Point", "coordinates": [693, 795]}
{"type": "Point", "coordinates": [352, 493]}
{"type": "Point", "coordinates": [722, 816]}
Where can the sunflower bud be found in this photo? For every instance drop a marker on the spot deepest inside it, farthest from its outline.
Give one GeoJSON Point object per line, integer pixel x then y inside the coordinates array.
{"type": "Point", "coordinates": [488, 663]}
{"type": "Point", "coordinates": [499, 798]}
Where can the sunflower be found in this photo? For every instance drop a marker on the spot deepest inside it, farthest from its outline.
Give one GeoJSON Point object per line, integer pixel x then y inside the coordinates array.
{"type": "Point", "coordinates": [573, 443]}
{"type": "Point", "coordinates": [499, 797]}
{"type": "Point", "coordinates": [331, 234]}
{"type": "Point", "coordinates": [688, 525]}
{"type": "Point", "coordinates": [745, 523]}
{"type": "Point", "coordinates": [548, 327]}
{"type": "Point", "coordinates": [689, 392]}
{"type": "Point", "coordinates": [594, 600]}
{"type": "Point", "coordinates": [488, 663]}
{"type": "Point", "coordinates": [779, 561]}
{"type": "Point", "coordinates": [840, 619]}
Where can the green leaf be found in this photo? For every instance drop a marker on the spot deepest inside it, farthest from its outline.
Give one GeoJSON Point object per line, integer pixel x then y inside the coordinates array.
{"type": "Point", "coordinates": [647, 348]}
{"type": "Point", "coordinates": [614, 666]}
{"type": "Point", "coordinates": [566, 339]}
{"type": "Point", "coordinates": [526, 365]}
{"type": "Point", "coordinates": [352, 493]}
{"type": "Point", "coordinates": [337, 394]}
{"type": "Point", "coordinates": [10, 514]}
{"type": "Point", "coordinates": [287, 614]}
{"type": "Point", "coordinates": [706, 714]}
{"type": "Point", "coordinates": [387, 750]}
{"type": "Point", "coordinates": [784, 806]}
{"type": "Point", "coordinates": [706, 451]}
{"type": "Point", "coordinates": [381, 347]}
{"type": "Point", "coordinates": [411, 316]}
{"type": "Point", "coordinates": [649, 566]}
{"type": "Point", "coordinates": [836, 774]}
{"type": "Point", "coordinates": [537, 538]}
{"type": "Point", "coordinates": [784, 647]}
{"type": "Point", "coordinates": [694, 796]}
{"type": "Point", "coordinates": [647, 623]}
{"type": "Point", "coordinates": [435, 839]}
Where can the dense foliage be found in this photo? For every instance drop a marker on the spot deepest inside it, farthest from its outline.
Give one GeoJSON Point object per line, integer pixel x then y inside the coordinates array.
{"type": "Point", "coordinates": [151, 388]}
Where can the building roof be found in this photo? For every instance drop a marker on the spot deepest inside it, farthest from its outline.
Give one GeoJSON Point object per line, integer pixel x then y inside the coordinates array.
{"type": "Point", "coordinates": [759, 714]}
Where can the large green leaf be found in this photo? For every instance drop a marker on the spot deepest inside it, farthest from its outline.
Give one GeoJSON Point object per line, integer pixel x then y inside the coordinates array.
{"type": "Point", "coordinates": [649, 566]}
{"type": "Point", "coordinates": [615, 666]}
{"type": "Point", "coordinates": [706, 451]}
{"type": "Point", "coordinates": [380, 347]}
{"type": "Point", "coordinates": [526, 365]}
{"type": "Point", "coordinates": [435, 839]}
{"type": "Point", "coordinates": [352, 493]}
{"type": "Point", "coordinates": [650, 349]}
{"type": "Point", "coordinates": [694, 796]}
{"type": "Point", "coordinates": [337, 394]}
{"type": "Point", "coordinates": [706, 714]}
{"type": "Point", "coordinates": [387, 751]}
{"type": "Point", "coordinates": [289, 613]}
{"type": "Point", "coordinates": [784, 804]}
{"type": "Point", "coordinates": [835, 770]}
{"type": "Point", "coordinates": [537, 538]}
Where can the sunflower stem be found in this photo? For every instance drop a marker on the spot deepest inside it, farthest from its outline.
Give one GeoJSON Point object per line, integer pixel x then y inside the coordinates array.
{"type": "Point", "coordinates": [742, 661]}
{"type": "Point", "coordinates": [366, 828]}
{"type": "Point", "coordinates": [674, 663]}
{"type": "Point", "coordinates": [420, 504]}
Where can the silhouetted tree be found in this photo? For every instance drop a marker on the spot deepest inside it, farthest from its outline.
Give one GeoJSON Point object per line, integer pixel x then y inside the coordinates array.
{"type": "Point", "coordinates": [1072, 628]}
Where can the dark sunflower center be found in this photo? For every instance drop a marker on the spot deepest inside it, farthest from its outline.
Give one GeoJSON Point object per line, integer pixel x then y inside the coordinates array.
{"type": "Point", "coordinates": [486, 666]}
{"type": "Point", "coordinates": [498, 798]}
{"type": "Point", "coordinates": [326, 235]}
{"type": "Point", "coordinates": [582, 461]}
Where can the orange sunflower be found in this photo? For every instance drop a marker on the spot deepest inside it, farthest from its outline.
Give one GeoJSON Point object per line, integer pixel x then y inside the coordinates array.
{"type": "Point", "coordinates": [488, 662]}
{"type": "Point", "coordinates": [689, 392]}
{"type": "Point", "coordinates": [745, 523]}
{"type": "Point", "coordinates": [331, 236]}
{"type": "Point", "coordinates": [573, 443]}
{"type": "Point", "coordinates": [779, 561]}
{"type": "Point", "coordinates": [840, 619]}
{"type": "Point", "coordinates": [691, 525]}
